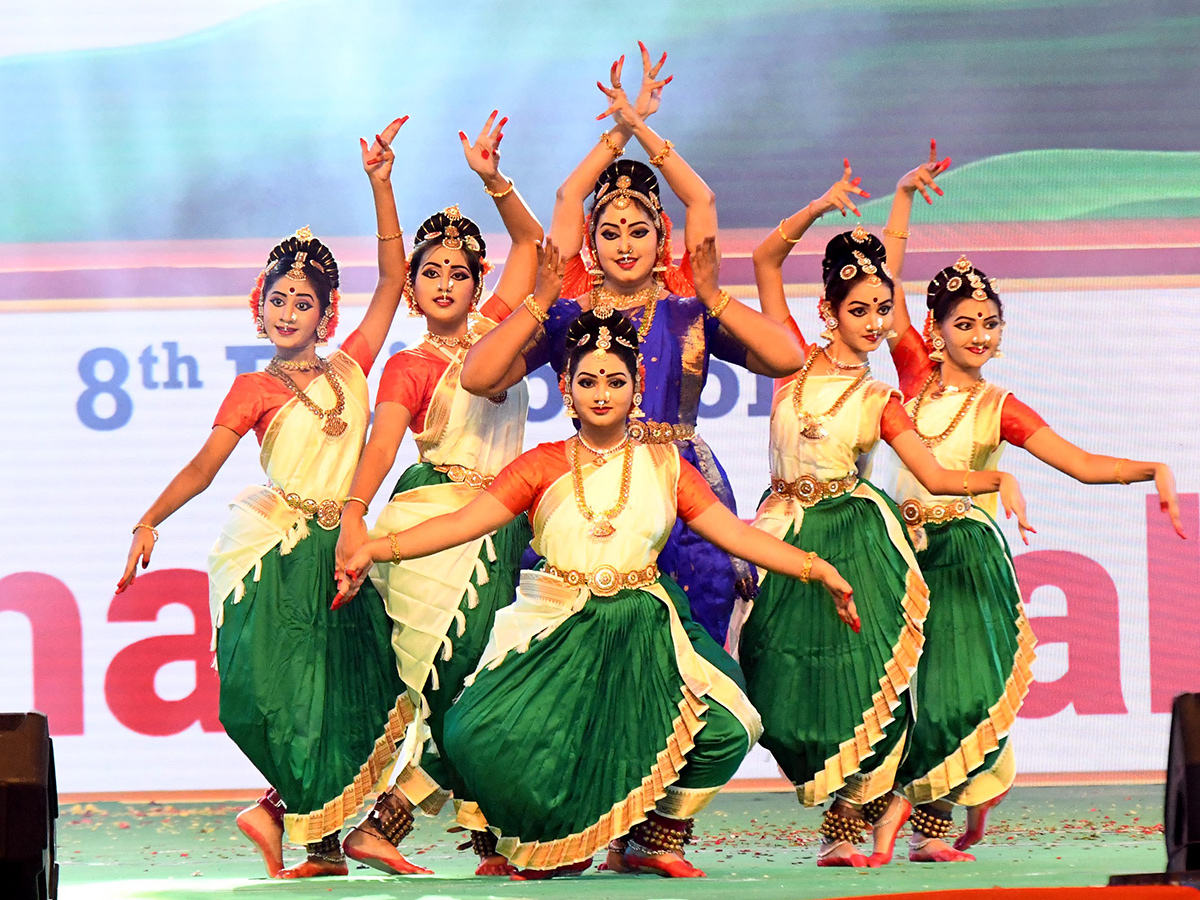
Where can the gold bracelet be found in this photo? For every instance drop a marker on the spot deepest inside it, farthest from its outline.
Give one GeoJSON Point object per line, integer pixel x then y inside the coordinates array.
{"type": "Point", "coordinates": [1120, 462]}
{"type": "Point", "coordinates": [806, 572]}
{"type": "Point", "coordinates": [153, 530]}
{"type": "Point", "coordinates": [366, 508]}
{"type": "Point", "coordinates": [496, 195]}
{"type": "Point", "coordinates": [892, 232]}
{"type": "Point", "coordinates": [394, 541]}
{"type": "Point", "coordinates": [722, 302]}
{"type": "Point", "coordinates": [616, 151]}
{"type": "Point", "coordinates": [390, 237]}
{"type": "Point", "coordinates": [660, 157]}
{"type": "Point", "coordinates": [966, 483]}
{"type": "Point", "coordinates": [784, 236]}
{"type": "Point", "coordinates": [536, 311]}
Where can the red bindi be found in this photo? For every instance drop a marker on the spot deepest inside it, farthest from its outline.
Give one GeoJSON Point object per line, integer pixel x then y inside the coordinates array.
{"type": "Point", "coordinates": [601, 371]}
{"type": "Point", "coordinates": [291, 290]}
{"type": "Point", "coordinates": [622, 221]}
{"type": "Point", "coordinates": [445, 262]}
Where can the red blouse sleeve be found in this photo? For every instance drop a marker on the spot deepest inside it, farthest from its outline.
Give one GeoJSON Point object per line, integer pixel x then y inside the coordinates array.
{"type": "Point", "coordinates": [795, 329]}
{"type": "Point", "coordinates": [495, 308]}
{"type": "Point", "coordinates": [1018, 422]}
{"type": "Point", "coordinates": [242, 407]}
{"type": "Point", "coordinates": [895, 420]}
{"type": "Point", "coordinates": [520, 484]}
{"type": "Point", "coordinates": [409, 379]}
{"type": "Point", "coordinates": [692, 494]}
{"type": "Point", "coordinates": [913, 364]}
{"type": "Point", "coordinates": [357, 349]}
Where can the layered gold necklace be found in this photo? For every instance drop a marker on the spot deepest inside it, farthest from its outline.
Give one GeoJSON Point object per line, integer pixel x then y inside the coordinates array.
{"type": "Point", "coordinates": [604, 301]}
{"type": "Point", "coordinates": [812, 427]}
{"type": "Point", "coordinates": [451, 343]}
{"type": "Point", "coordinates": [935, 439]}
{"type": "Point", "coordinates": [334, 426]}
{"type": "Point", "coordinates": [307, 365]}
{"type": "Point", "coordinates": [602, 526]}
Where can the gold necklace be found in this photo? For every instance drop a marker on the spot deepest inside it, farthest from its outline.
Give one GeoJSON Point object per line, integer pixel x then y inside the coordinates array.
{"type": "Point", "coordinates": [602, 526]}
{"type": "Point", "coordinates": [841, 366]}
{"type": "Point", "coordinates": [933, 440]}
{"type": "Point", "coordinates": [303, 366]}
{"type": "Point", "coordinates": [450, 343]}
{"type": "Point", "coordinates": [334, 425]}
{"type": "Point", "coordinates": [602, 456]}
{"type": "Point", "coordinates": [604, 301]}
{"type": "Point", "coordinates": [812, 428]}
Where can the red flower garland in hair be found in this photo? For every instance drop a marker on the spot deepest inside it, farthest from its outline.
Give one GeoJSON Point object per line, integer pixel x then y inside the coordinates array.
{"type": "Point", "coordinates": [256, 303]}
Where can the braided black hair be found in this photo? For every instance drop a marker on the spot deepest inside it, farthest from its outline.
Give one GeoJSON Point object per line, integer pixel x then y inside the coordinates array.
{"type": "Point", "coordinates": [849, 258]}
{"type": "Point", "coordinates": [961, 281]}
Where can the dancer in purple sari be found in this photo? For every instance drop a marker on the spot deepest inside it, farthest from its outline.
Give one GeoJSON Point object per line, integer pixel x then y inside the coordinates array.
{"type": "Point", "coordinates": [683, 317]}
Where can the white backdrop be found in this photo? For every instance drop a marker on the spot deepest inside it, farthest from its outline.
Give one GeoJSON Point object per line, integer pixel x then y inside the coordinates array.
{"type": "Point", "coordinates": [95, 426]}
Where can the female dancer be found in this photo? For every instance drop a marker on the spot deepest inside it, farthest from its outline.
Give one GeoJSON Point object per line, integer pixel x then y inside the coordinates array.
{"type": "Point", "coordinates": [591, 715]}
{"type": "Point", "coordinates": [629, 269]}
{"type": "Point", "coordinates": [975, 671]}
{"type": "Point", "coordinates": [309, 697]}
{"type": "Point", "coordinates": [443, 605]}
{"type": "Point", "coordinates": [836, 707]}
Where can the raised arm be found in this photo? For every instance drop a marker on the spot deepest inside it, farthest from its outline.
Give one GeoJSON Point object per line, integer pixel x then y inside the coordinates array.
{"type": "Point", "coordinates": [1094, 468]}
{"type": "Point", "coordinates": [483, 515]}
{"type": "Point", "coordinates": [896, 231]}
{"type": "Point", "coordinates": [524, 230]}
{"type": "Point", "coordinates": [377, 163]}
{"type": "Point", "coordinates": [771, 347]}
{"type": "Point", "coordinates": [721, 527]}
{"type": "Point", "coordinates": [960, 482]}
{"type": "Point", "coordinates": [378, 456]}
{"type": "Point", "coordinates": [191, 480]}
{"type": "Point", "coordinates": [769, 255]}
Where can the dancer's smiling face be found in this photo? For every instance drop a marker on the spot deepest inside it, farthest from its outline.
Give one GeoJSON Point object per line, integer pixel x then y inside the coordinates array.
{"type": "Point", "coordinates": [971, 330]}
{"type": "Point", "coordinates": [626, 245]}
{"type": "Point", "coordinates": [602, 390]}
{"type": "Point", "coordinates": [865, 316]}
{"type": "Point", "coordinates": [444, 285]}
{"type": "Point", "coordinates": [291, 313]}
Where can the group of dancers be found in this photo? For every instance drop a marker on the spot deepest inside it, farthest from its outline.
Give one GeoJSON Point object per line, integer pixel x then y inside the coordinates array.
{"type": "Point", "coordinates": [598, 699]}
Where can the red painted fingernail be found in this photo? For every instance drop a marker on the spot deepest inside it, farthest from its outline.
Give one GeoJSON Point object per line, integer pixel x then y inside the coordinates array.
{"type": "Point", "coordinates": [937, 190]}
{"type": "Point", "coordinates": [845, 160]}
{"type": "Point", "coordinates": [363, 141]}
{"type": "Point", "coordinates": [641, 46]}
{"type": "Point", "coordinates": [485, 154]}
{"type": "Point", "coordinates": [866, 194]}
{"type": "Point", "coordinates": [933, 144]}
{"type": "Point", "coordinates": [670, 78]}
{"type": "Point", "coordinates": [145, 563]}
{"type": "Point", "coordinates": [856, 181]}
{"type": "Point", "coordinates": [599, 85]}
{"type": "Point", "coordinates": [462, 135]}
{"type": "Point", "coordinates": [499, 138]}
{"type": "Point", "coordinates": [495, 112]}
{"type": "Point", "coordinates": [401, 120]}
{"type": "Point", "coordinates": [930, 202]}
{"type": "Point", "coordinates": [503, 122]}
{"type": "Point", "coordinates": [622, 57]}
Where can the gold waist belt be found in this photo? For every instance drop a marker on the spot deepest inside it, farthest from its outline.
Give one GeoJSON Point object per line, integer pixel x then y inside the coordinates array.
{"type": "Point", "coordinates": [469, 477]}
{"type": "Point", "coordinates": [327, 512]}
{"type": "Point", "coordinates": [604, 581]}
{"type": "Point", "coordinates": [648, 432]}
{"type": "Point", "coordinates": [809, 491]}
{"type": "Point", "coordinates": [915, 514]}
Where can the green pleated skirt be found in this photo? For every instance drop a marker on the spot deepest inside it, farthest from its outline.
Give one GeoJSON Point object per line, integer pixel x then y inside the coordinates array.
{"type": "Point", "coordinates": [568, 743]}
{"type": "Point", "coordinates": [975, 671]}
{"type": "Point", "coordinates": [836, 706]}
{"type": "Point", "coordinates": [306, 693]}
{"type": "Point", "coordinates": [468, 639]}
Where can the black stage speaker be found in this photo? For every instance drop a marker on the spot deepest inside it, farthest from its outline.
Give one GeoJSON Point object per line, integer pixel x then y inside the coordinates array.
{"type": "Point", "coordinates": [28, 808]}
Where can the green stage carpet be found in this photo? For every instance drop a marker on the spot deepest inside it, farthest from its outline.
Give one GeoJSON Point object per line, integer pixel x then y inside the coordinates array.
{"type": "Point", "coordinates": [752, 846]}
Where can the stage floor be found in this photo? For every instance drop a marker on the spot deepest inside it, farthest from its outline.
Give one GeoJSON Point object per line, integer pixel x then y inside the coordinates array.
{"type": "Point", "coordinates": [752, 846]}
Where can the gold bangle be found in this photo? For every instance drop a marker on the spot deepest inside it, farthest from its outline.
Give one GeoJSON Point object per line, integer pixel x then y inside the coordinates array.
{"type": "Point", "coordinates": [892, 232]}
{"type": "Point", "coordinates": [496, 195]}
{"type": "Point", "coordinates": [390, 237]}
{"type": "Point", "coordinates": [784, 236]}
{"type": "Point", "coordinates": [608, 142]}
{"type": "Point", "coordinates": [1120, 462]}
{"type": "Point", "coordinates": [394, 541]}
{"type": "Point", "coordinates": [966, 483]}
{"type": "Point", "coordinates": [722, 302]}
{"type": "Point", "coordinates": [806, 572]}
{"type": "Point", "coordinates": [151, 528]}
{"type": "Point", "coordinates": [536, 311]}
{"type": "Point", "coordinates": [660, 157]}
{"type": "Point", "coordinates": [366, 508]}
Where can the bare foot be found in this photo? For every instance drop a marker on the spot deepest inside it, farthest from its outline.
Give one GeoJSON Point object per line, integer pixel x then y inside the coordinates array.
{"type": "Point", "coordinates": [377, 852]}
{"type": "Point", "coordinates": [315, 868]}
{"type": "Point", "coordinates": [669, 865]}
{"type": "Point", "coordinates": [886, 829]}
{"type": "Point", "coordinates": [934, 850]}
{"type": "Point", "coordinates": [977, 822]}
{"type": "Point", "coordinates": [495, 865]}
{"type": "Point", "coordinates": [266, 834]}
{"type": "Point", "coordinates": [614, 860]}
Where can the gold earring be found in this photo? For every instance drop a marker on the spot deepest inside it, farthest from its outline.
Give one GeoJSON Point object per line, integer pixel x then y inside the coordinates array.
{"type": "Point", "coordinates": [569, 405]}
{"type": "Point", "coordinates": [891, 334]}
{"type": "Point", "coordinates": [410, 299]}
{"type": "Point", "coordinates": [936, 355]}
{"type": "Point", "coordinates": [597, 275]}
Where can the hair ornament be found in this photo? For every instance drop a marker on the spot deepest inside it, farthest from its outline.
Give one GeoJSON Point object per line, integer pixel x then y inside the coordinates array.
{"type": "Point", "coordinates": [859, 234]}
{"type": "Point", "coordinates": [953, 284]}
{"type": "Point", "coordinates": [848, 272]}
{"type": "Point", "coordinates": [296, 272]}
{"type": "Point", "coordinates": [963, 265]}
{"type": "Point", "coordinates": [307, 253]}
{"type": "Point", "coordinates": [603, 343]}
{"type": "Point", "coordinates": [455, 231]}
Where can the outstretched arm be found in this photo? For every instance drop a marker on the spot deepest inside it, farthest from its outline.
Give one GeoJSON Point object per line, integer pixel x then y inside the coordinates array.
{"type": "Point", "coordinates": [378, 456]}
{"type": "Point", "coordinates": [721, 527]}
{"type": "Point", "coordinates": [191, 480]}
{"type": "Point", "coordinates": [496, 361]}
{"type": "Point", "coordinates": [524, 230]}
{"type": "Point", "coordinates": [377, 163]}
{"type": "Point", "coordinates": [771, 348]}
{"type": "Point", "coordinates": [961, 482]}
{"type": "Point", "coordinates": [895, 232]}
{"type": "Point", "coordinates": [566, 225]}
{"type": "Point", "coordinates": [1094, 468]}
{"type": "Point", "coordinates": [483, 515]}
{"type": "Point", "coordinates": [769, 255]}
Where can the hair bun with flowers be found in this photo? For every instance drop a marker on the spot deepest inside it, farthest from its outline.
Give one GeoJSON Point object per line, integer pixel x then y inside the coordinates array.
{"type": "Point", "coordinates": [300, 257]}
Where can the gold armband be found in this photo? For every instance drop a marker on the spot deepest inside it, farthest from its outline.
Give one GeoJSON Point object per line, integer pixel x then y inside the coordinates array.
{"type": "Point", "coordinates": [892, 232]}
{"type": "Point", "coordinates": [536, 311]}
{"type": "Point", "coordinates": [720, 305]}
{"type": "Point", "coordinates": [660, 157]}
{"type": "Point", "coordinates": [496, 195]}
{"type": "Point", "coordinates": [394, 541]}
{"type": "Point", "coordinates": [390, 237]}
{"type": "Point", "coordinates": [806, 572]}
{"type": "Point", "coordinates": [366, 508]}
{"type": "Point", "coordinates": [784, 236]}
{"type": "Point", "coordinates": [150, 528]}
{"type": "Point", "coordinates": [608, 142]}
